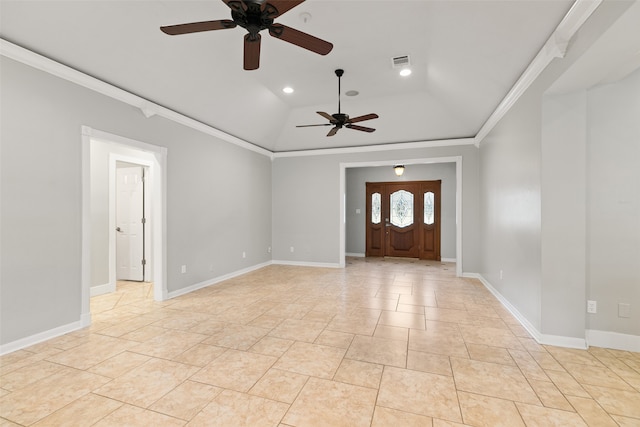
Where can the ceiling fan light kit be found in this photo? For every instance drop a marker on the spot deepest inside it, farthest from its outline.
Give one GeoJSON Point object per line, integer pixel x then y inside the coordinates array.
{"type": "Point", "coordinates": [340, 120]}
{"type": "Point", "coordinates": [255, 16]}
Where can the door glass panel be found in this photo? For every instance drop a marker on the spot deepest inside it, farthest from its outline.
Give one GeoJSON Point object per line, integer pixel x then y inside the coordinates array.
{"type": "Point", "coordinates": [429, 210]}
{"type": "Point", "coordinates": [401, 208]}
{"type": "Point", "coordinates": [375, 208]}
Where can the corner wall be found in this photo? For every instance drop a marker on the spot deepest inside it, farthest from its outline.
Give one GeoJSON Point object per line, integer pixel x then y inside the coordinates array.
{"type": "Point", "coordinates": [211, 218]}
{"type": "Point", "coordinates": [535, 191]}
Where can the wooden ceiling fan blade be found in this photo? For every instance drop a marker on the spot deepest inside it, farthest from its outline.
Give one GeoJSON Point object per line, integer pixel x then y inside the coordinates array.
{"type": "Point", "coordinates": [308, 126]}
{"type": "Point", "coordinates": [251, 52]}
{"type": "Point", "coordinates": [304, 40]}
{"type": "Point", "coordinates": [283, 6]}
{"type": "Point", "coordinates": [363, 118]}
{"type": "Point", "coordinates": [326, 115]}
{"type": "Point", "coordinates": [196, 27]}
{"type": "Point", "coordinates": [362, 128]}
{"type": "Point", "coordinates": [333, 131]}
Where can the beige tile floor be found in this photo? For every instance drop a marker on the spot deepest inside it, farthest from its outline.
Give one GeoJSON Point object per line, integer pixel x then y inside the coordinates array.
{"type": "Point", "coordinates": [383, 342]}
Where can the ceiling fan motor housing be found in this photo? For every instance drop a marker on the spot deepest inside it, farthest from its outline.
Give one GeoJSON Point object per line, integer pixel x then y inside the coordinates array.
{"type": "Point", "coordinates": [341, 118]}
{"type": "Point", "coordinates": [255, 16]}
{"type": "Point", "coordinates": [254, 19]}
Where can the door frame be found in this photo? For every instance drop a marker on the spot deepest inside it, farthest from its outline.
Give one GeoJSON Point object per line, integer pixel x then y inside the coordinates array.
{"type": "Point", "coordinates": [158, 209]}
{"type": "Point", "coordinates": [389, 163]}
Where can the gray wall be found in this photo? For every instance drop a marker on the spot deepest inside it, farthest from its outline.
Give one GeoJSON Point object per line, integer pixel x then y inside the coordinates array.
{"type": "Point", "coordinates": [563, 209]}
{"type": "Point", "coordinates": [306, 202]}
{"type": "Point", "coordinates": [613, 215]}
{"type": "Point", "coordinates": [510, 201]}
{"type": "Point", "coordinates": [356, 179]}
{"type": "Point", "coordinates": [218, 198]}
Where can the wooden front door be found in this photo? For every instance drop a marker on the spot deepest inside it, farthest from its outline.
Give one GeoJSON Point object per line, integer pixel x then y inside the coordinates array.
{"type": "Point", "coordinates": [403, 234]}
{"type": "Point", "coordinates": [403, 219]}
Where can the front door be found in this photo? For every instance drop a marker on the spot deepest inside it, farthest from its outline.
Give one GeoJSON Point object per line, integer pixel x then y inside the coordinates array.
{"type": "Point", "coordinates": [403, 219]}
{"type": "Point", "coordinates": [403, 232]}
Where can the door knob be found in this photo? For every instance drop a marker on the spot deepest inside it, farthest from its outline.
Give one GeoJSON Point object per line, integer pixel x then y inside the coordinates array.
{"type": "Point", "coordinates": [118, 229]}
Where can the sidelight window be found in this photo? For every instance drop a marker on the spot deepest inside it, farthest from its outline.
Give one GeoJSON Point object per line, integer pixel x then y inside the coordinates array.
{"type": "Point", "coordinates": [429, 208]}
{"type": "Point", "coordinates": [376, 202]}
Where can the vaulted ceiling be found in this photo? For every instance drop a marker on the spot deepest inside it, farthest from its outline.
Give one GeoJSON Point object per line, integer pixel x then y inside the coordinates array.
{"type": "Point", "coordinates": [465, 56]}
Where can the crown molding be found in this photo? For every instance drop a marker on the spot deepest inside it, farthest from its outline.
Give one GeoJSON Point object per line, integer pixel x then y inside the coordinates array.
{"type": "Point", "coordinates": [379, 147]}
{"type": "Point", "coordinates": [555, 47]}
{"type": "Point", "coordinates": [148, 108]}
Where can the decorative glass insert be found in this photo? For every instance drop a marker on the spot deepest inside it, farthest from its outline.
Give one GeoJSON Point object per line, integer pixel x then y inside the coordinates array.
{"type": "Point", "coordinates": [401, 208]}
{"type": "Point", "coordinates": [376, 202]}
{"type": "Point", "coordinates": [429, 208]}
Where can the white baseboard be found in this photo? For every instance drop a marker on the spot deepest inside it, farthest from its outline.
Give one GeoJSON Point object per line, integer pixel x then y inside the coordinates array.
{"type": "Point", "coordinates": [215, 280]}
{"type": "Point", "coordinates": [42, 336]}
{"type": "Point", "coordinates": [107, 288]}
{"type": "Point", "coordinates": [556, 340]}
{"type": "Point", "coordinates": [219, 279]}
{"type": "Point", "coordinates": [561, 341]}
{"type": "Point", "coordinates": [613, 340]}
{"type": "Point", "coordinates": [307, 264]}
{"type": "Point", "coordinates": [85, 320]}
{"type": "Point", "coordinates": [355, 254]}
{"type": "Point", "coordinates": [447, 260]}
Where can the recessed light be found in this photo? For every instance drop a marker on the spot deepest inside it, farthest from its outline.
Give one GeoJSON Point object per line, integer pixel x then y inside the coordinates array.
{"type": "Point", "coordinates": [352, 93]}
{"type": "Point", "coordinates": [405, 72]}
{"type": "Point", "coordinates": [288, 89]}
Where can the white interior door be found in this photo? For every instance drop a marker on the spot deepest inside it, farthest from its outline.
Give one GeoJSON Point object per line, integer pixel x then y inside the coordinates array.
{"type": "Point", "coordinates": [130, 223]}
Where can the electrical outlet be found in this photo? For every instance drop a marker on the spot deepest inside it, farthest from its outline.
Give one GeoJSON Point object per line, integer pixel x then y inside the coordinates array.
{"type": "Point", "coordinates": [357, 211]}
{"type": "Point", "coordinates": [183, 269]}
{"type": "Point", "coordinates": [624, 310]}
{"type": "Point", "coordinates": [269, 249]}
{"type": "Point", "coordinates": [500, 274]}
{"type": "Point", "coordinates": [592, 307]}
{"type": "Point", "coordinates": [244, 254]}
{"type": "Point", "coordinates": [291, 248]}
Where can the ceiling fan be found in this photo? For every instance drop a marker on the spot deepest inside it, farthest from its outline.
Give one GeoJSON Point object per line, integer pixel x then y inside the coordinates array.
{"type": "Point", "coordinates": [340, 120]}
{"type": "Point", "coordinates": [255, 16]}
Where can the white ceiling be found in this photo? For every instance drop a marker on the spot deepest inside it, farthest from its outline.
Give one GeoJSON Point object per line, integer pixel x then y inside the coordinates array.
{"type": "Point", "coordinates": [465, 55]}
{"type": "Point", "coordinates": [612, 57]}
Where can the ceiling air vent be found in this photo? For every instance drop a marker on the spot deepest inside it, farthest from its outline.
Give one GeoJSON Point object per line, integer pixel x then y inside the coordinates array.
{"type": "Point", "coordinates": [400, 61]}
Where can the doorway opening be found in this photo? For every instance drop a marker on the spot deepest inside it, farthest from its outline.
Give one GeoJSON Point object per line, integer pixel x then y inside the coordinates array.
{"type": "Point", "coordinates": [456, 160]}
{"type": "Point", "coordinates": [103, 155]}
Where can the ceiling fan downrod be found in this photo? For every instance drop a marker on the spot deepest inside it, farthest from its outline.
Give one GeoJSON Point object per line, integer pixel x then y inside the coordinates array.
{"type": "Point", "coordinates": [339, 73]}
